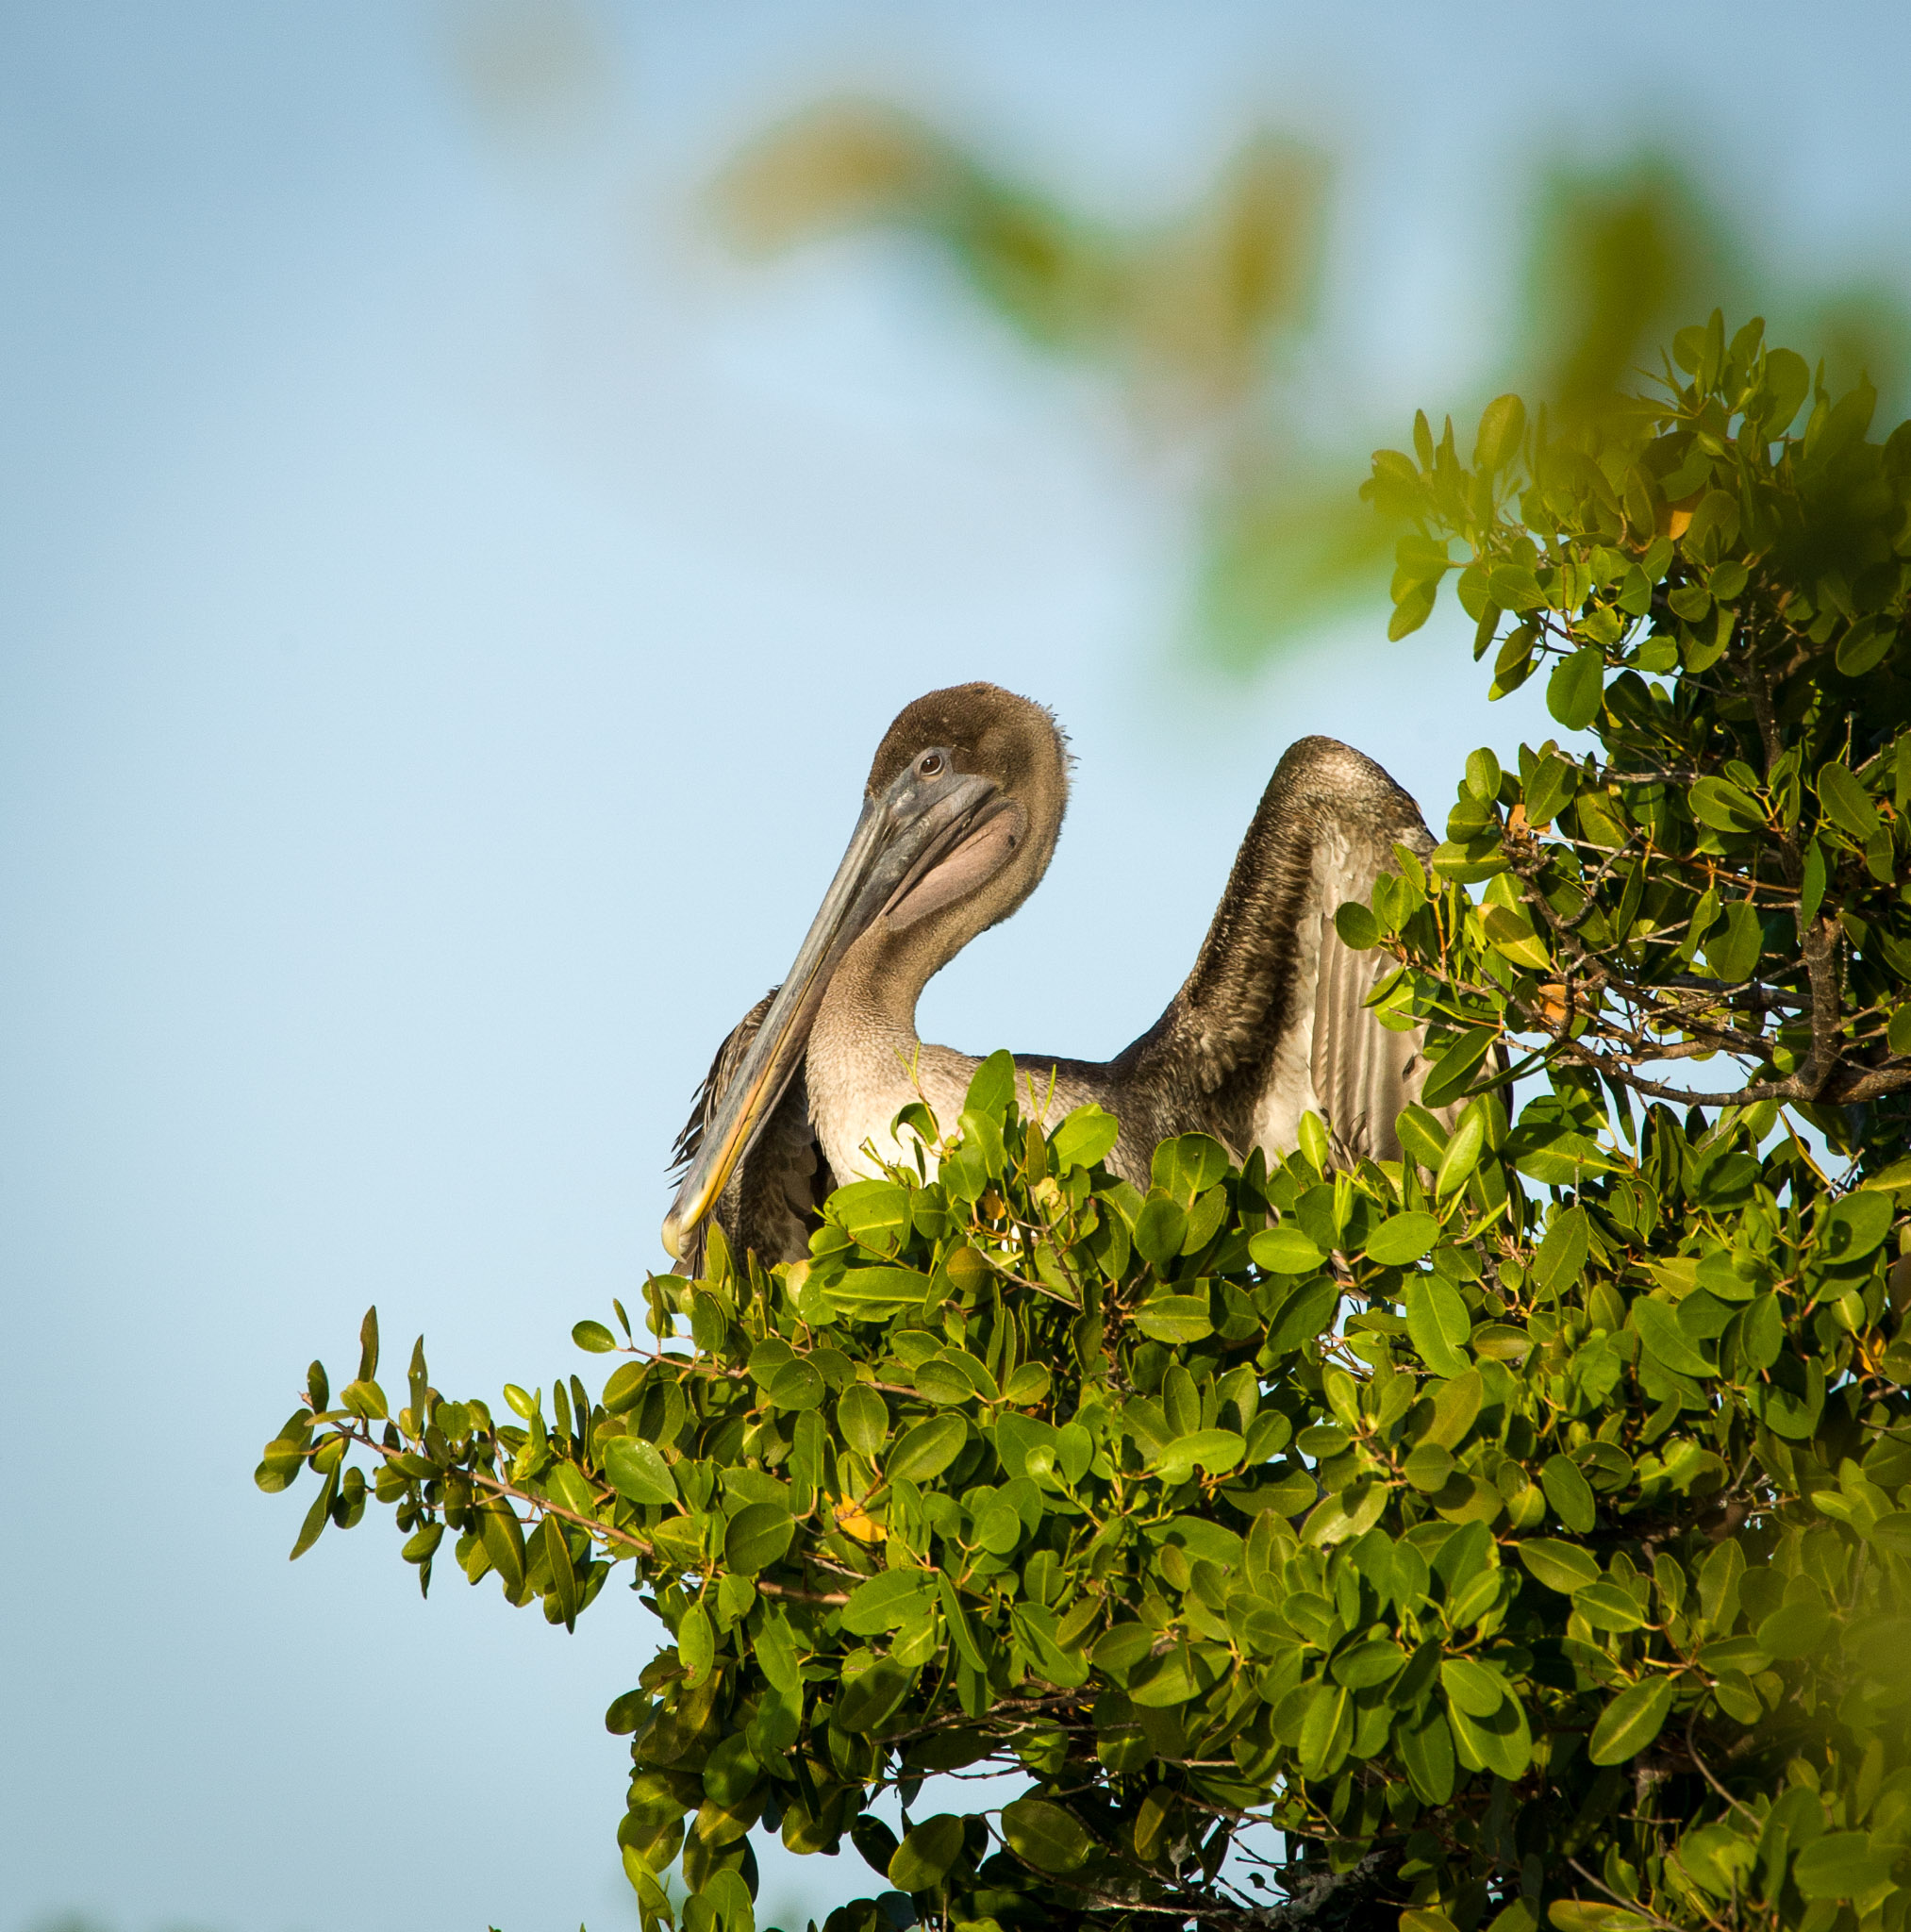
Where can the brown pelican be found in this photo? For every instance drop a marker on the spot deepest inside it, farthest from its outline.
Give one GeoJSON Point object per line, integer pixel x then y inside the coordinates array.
{"type": "Point", "coordinates": [959, 819]}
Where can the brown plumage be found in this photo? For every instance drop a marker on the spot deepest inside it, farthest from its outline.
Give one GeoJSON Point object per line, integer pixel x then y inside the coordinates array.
{"type": "Point", "coordinates": [963, 804]}
{"type": "Point", "coordinates": [774, 1196]}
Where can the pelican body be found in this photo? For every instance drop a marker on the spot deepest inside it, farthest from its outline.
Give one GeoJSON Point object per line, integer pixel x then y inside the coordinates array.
{"type": "Point", "coordinates": [959, 819]}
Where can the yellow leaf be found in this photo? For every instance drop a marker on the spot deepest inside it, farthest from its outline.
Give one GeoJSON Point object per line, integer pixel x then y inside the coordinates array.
{"type": "Point", "coordinates": [852, 1520]}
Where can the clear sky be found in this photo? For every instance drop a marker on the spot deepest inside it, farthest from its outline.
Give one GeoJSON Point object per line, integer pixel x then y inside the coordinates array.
{"type": "Point", "coordinates": [447, 606]}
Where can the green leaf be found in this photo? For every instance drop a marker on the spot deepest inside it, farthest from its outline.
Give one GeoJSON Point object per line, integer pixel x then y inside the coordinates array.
{"type": "Point", "coordinates": [638, 1473]}
{"type": "Point", "coordinates": [1864, 645]}
{"type": "Point", "coordinates": [873, 1839]}
{"type": "Point", "coordinates": [1510, 931]}
{"type": "Point", "coordinates": [625, 1386]}
{"type": "Point", "coordinates": [1438, 1324]}
{"type": "Point", "coordinates": [1028, 1385]}
{"type": "Point", "coordinates": [563, 1574]}
{"type": "Point", "coordinates": [1794, 1630]}
{"type": "Point", "coordinates": [863, 1417]}
{"type": "Point", "coordinates": [888, 1601]}
{"type": "Point", "coordinates": [1217, 1451]}
{"type": "Point", "coordinates": [1483, 774]}
{"type": "Point", "coordinates": [1630, 1722]}
{"type": "Point", "coordinates": [1564, 1567]}
{"type": "Point", "coordinates": [1176, 1319]}
{"type": "Point", "coordinates": [1357, 926]}
{"type": "Point", "coordinates": [874, 1214]}
{"type": "Point", "coordinates": [1303, 1315]}
{"type": "Point", "coordinates": [1576, 687]}
{"type": "Point", "coordinates": [728, 1897]}
{"type": "Point", "coordinates": [316, 1517]}
{"type": "Point", "coordinates": [1726, 806]}
{"type": "Point", "coordinates": [866, 1697]}
{"type": "Point", "coordinates": [1783, 1410]}
{"type": "Point", "coordinates": [1786, 384]}
{"type": "Point", "coordinates": [1397, 1240]}
{"type": "Point", "coordinates": [1659, 1331]}
{"type": "Point", "coordinates": [1733, 948]}
{"type": "Point", "coordinates": [1426, 1749]}
{"type": "Point", "coordinates": [1811, 891]}
{"type": "Point", "coordinates": [1892, 1532]}
{"type": "Point", "coordinates": [1594, 1915]}
{"type": "Point", "coordinates": [924, 1858]}
{"type": "Point", "coordinates": [1456, 1409]}
{"type": "Point", "coordinates": [1422, 1137]}
{"type": "Point", "coordinates": [1186, 1165]}
{"type": "Point", "coordinates": [1512, 587]}
{"type": "Point", "coordinates": [928, 1448]}
{"type": "Point", "coordinates": [1411, 609]}
{"type": "Point", "coordinates": [365, 1398]}
{"type": "Point", "coordinates": [567, 1484]}
{"type": "Point", "coordinates": [1325, 1730]}
{"type": "Point", "coordinates": [1159, 1229]}
{"type": "Point", "coordinates": [1855, 1225]}
{"type": "Point", "coordinates": [1452, 1072]}
{"type": "Point", "coordinates": [944, 1380]}
{"type": "Point", "coordinates": [1609, 1606]}
{"type": "Point", "coordinates": [697, 1643]}
{"type": "Point", "coordinates": [1285, 1250]}
{"type": "Point", "coordinates": [1187, 1671]}
{"type": "Point", "coordinates": [797, 1385]}
{"type": "Point", "coordinates": [1569, 1492]}
{"type": "Point", "coordinates": [878, 1293]}
{"type": "Point", "coordinates": [593, 1336]}
{"type": "Point", "coordinates": [504, 1542]}
{"type": "Point", "coordinates": [1719, 1581]}
{"type": "Point", "coordinates": [992, 1087]}
{"type": "Point", "coordinates": [1367, 1664]}
{"type": "Point", "coordinates": [1503, 424]}
{"type": "Point", "coordinates": [1120, 1649]}
{"type": "Point", "coordinates": [1462, 1154]}
{"type": "Point", "coordinates": [1562, 1254]}
{"type": "Point", "coordinates": [1471, 1686]}
{"type": "Point", "coordinates": [1049, 1838]}
{"type": "Point", "coordinates": [759, 1536]}
{"type": "Point", "coordinates": [1086, 1136]}
{"type": "Point", "coordinates": [1347, 1513]}
{"type": "Point", "coordinates": [1846, 802]}
{"type": "Point", "coordinates": [1554, 1154]}
{"type": "Point", "coordinates": [1841, 1865]}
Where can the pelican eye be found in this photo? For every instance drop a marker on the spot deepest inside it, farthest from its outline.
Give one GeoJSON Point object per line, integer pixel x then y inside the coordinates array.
{"type": "Point", "coordinates": [931, 765]}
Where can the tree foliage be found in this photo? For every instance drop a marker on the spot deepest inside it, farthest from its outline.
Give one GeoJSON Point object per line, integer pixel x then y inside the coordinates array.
{"type": "Point", "coordinates": [1216, 323]}
{"type": "Point", "coordinates": [1519, 1533]}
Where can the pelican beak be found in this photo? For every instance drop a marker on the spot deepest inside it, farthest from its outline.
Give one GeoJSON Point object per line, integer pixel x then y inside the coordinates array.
{"type": "Point", "coordinates": [899, 838]}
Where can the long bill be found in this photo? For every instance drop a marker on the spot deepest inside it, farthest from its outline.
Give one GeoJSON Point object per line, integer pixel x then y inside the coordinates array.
{"type": "Point", "coordinates": [898, 839]}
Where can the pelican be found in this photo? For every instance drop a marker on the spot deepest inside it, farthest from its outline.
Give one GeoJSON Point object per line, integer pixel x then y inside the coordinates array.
{"type": "Point", "coordinates": [959, 821]}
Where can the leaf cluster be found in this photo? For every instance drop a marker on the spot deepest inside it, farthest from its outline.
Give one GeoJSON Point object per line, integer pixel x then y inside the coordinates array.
{"type": "Point", "coordinates": [1462, 1542]}
{"type": "Point", "coordinates": [1722, 606]}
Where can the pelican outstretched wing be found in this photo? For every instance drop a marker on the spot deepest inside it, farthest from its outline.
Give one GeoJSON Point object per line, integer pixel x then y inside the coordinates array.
{"type": "Point", "coordinates": [773, 1199]}
{"type": "Point", "coordinates": [1271, 1022]}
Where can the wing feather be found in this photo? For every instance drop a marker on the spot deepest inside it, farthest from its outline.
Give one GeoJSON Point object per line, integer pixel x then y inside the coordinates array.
{"type": "Point", "coordinates": [1272, 1021]}
{"type": "Point", "coordinates": [774, 1195]}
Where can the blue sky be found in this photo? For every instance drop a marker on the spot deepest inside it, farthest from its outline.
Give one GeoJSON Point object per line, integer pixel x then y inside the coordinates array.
{"type": "Point", "coordinates": [447, 606]}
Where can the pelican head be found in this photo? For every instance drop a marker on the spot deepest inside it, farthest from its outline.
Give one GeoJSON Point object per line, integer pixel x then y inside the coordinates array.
{"type": "Point", "coordinates": [959, 818]}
